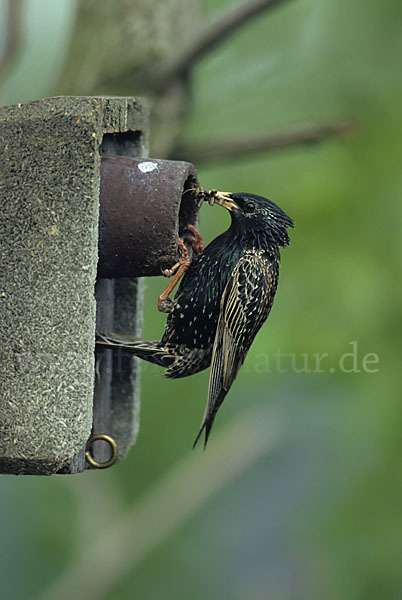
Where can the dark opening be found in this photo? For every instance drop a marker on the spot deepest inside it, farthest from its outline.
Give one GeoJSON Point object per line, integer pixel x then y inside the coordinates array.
{"type": "Point", "coordinates": [188, 212]}
{"type": "Point", "coordinates": [128, 143]}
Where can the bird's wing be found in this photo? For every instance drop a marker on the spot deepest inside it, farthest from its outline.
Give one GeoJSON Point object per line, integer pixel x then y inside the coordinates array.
{"type": "Point", "coordinates": [245, 305]}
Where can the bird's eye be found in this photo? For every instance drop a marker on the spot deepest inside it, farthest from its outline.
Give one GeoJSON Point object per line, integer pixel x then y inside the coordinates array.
{"type": "Point", "coordinates": [249, 207]}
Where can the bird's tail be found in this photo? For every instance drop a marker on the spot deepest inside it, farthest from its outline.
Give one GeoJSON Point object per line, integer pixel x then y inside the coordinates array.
{"type": "Point", "coordinates": [149, 350]}
{"type": "Point", "coordinates": [209, 418]}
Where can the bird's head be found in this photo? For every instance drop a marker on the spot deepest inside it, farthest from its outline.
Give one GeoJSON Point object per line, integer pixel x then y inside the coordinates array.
{"type": "Point", "coordinates": [255, 217]}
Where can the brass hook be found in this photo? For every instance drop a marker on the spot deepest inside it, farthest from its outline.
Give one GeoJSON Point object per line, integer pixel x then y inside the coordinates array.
{"type": "Point", "coordinates": [112, 444]}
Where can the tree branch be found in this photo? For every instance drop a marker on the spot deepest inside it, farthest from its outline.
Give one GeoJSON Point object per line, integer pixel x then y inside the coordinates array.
{"type": "Point", "coordinates": [209, 37]}
{"type": "Point", "coordinates": [246, 144]}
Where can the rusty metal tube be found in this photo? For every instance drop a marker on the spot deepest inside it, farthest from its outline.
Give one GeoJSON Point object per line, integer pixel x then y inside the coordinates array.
{"type": "Point", "coordinates": [145, 205]}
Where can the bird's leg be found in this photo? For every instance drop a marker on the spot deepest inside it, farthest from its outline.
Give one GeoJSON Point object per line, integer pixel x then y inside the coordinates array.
{"type": "Point", "coordinates": [197, 242]}
{"type": "Point", "coordinates": [178, 270]}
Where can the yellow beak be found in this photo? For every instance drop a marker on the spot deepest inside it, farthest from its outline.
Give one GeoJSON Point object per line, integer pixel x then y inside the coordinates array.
{"type": "Point", "coordinates": [223, 199]}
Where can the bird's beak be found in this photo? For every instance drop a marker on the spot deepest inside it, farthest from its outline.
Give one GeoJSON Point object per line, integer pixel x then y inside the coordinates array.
{"type": "Point", "coordinates": [224, 199]}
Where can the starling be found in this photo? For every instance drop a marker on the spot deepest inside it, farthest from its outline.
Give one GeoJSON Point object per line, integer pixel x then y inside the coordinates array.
{"type": "Point", "coordinates": [224, 297]}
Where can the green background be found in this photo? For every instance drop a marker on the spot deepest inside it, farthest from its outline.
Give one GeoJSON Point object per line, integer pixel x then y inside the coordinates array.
{"type": "Point", "coordinates": [299, 494]}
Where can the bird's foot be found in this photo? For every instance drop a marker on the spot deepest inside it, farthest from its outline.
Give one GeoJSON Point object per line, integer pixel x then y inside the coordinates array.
{"type": "Point", "coordinates": [170, 272]}
{"type": "Point", "coordinates": [184, 258]}
{"type": "Point", "coordinates": [196, 242]}
{"type": "Point", "coordinates": [165, 304]}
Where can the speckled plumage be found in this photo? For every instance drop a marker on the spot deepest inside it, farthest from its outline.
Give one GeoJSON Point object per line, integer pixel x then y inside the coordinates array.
{"type": "Point", "coordinates": [223, 299]}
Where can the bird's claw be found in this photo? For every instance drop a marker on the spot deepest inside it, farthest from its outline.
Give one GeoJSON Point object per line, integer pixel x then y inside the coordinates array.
{"type": "Point", "coordinates": [196, 242]}
{"type": "Point", "coordinates": [170, 272]}
{"type": "Point", "coordinates": [165, 305]}
{"type": "Point", "coordinates": [184, 258]}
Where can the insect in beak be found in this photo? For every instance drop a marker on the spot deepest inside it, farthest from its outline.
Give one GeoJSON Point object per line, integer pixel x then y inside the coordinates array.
{"type": "Point", "coordinates": [221, 198]}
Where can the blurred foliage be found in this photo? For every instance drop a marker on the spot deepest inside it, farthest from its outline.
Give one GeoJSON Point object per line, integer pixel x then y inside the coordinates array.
{"type": "Point", "coordinates": [319, 515]}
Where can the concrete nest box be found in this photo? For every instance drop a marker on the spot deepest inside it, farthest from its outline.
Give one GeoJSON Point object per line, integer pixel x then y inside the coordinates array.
{"type": "Point", "coordinates": [74, 186]}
